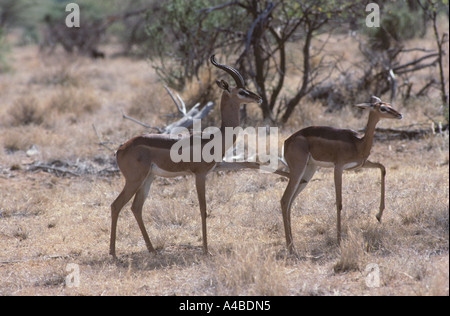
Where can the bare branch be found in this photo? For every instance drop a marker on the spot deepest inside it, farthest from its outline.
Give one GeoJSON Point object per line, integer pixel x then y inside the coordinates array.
{"type": "Point", "coordinates": [417, 49]}
{"type": "Point", "coordinates": [102, 143]}
{"type": "Point", "coordinates": [188, 116]}
{"type": "Point", "coordinates": [206, 11]}
{"type": "Point", "coordinates": [426, 87]}
{"type": "Point", "coordinates": [175, 101]}
{"type": "Point", "coordinates": [414, 62]}
{"type": "Point", "coordinates": [182, 105]}
{"type": "Point", "coordinates": [418, 67]}
{"type": "Point", "coordinates": [52, 168]}
{"type": "Point", "coordinates": [188, 120]}
{"type": "Point", "coordinates": [140, 123]}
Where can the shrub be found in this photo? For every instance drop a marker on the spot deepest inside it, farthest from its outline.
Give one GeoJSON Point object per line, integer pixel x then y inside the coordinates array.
{"type": "Point", "coordinates": [398, 22]}
{"type": "Point", "coordinates": [73, 101]}
{"type": "Point", "coordinates": [351, 253]}
{"type": "Point", "coordinates": [26, 111]}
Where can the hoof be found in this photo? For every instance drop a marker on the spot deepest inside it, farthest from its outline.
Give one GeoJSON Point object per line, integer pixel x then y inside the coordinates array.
{"type": "Point", "coordinates": [378, 218]}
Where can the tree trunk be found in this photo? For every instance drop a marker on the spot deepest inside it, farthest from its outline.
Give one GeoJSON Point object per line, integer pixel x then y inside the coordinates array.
{"type": "Point", "coordinates": [290, 106]}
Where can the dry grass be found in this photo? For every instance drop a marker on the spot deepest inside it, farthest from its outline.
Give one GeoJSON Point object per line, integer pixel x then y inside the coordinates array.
{"type": "Point", "coordinates": [49, 222]}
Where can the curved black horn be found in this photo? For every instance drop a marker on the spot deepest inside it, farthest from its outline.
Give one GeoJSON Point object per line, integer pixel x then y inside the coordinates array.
{"type": "Point", "coordinates": [230, 70]}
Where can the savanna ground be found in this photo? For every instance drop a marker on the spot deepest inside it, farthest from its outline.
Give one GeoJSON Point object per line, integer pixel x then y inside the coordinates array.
{"type": "Point", "coordinates": [49, 221]}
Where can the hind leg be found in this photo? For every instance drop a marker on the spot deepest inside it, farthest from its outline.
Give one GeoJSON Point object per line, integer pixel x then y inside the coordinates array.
{"type": "Point", "coordinates": [310, 170]}
{"type": "Point", "coordinates": [286, 203]}
{"type": "Point", "coordinates": [304, 180]}
{"type": "Point", "coordinates": [138, 203]}
{"type": "Point", "coordinates": [297, 157]}
{"type": "Point", "coordinates": [369, 164]}
{"type": "Point", "coordinates": [127, 193]}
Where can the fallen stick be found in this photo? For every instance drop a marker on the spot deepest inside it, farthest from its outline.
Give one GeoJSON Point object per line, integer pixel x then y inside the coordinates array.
{"type": "Point", "coordinates": [58, 169]}
{"type": "Point", "coordinates": [43, 258]}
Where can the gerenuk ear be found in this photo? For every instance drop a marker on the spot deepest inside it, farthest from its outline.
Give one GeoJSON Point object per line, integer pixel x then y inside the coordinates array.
{"type": "Point", "coordinates": [223, 85]}
{"type": "Point", "coordinates": [364, 106]}
{"type": "Point", "coordinates": [375, 100]}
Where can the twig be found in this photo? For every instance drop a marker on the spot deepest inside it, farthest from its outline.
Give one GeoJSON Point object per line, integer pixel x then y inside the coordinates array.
{"type": "Point", "coordinates": [140, 123]}
{"type": "Point", "coordinates": [188, 116]}
{"type": "Point", "coordinates": [188, 120]}
{"type": "Point", "coordinates": [48, 257]}
{"type": "Point", "coordinates": [407, 50]}
{"type": "Point", "coordinates": [102, 143]}
{"type": "Point", "coordinates": [218, 7]}
{"type": "Point", "coordinates": [414, 62]}
{"type": "Point", "coordinates": [47, 167]}
{"type": "Point", "coordinates": [426, 87]}
{"type": "Point", "coordinates": [418, 67]}
{"type": "Point", "coordinates": [183, 105]}
{"type": "Point", "coordinates": [182, 111]}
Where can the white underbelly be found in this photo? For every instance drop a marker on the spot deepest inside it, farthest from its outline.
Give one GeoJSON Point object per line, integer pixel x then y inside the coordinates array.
{"type": "Point", "coordinates": [328, 164]}
{"type": "Point", "coordinates": [351, 165]}
{"type": "Point", "coordinates": [168, 174]}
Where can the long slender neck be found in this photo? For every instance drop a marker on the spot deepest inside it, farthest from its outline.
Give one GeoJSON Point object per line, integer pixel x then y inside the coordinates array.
{"type": "Point", "coordinates": [367, 140]}
{"type": "Point", "coordinates": [229, 110]}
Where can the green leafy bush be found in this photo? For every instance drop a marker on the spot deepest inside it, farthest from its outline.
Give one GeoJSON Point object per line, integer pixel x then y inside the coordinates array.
{"type": "Point", "coordinates": [178, 31]}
